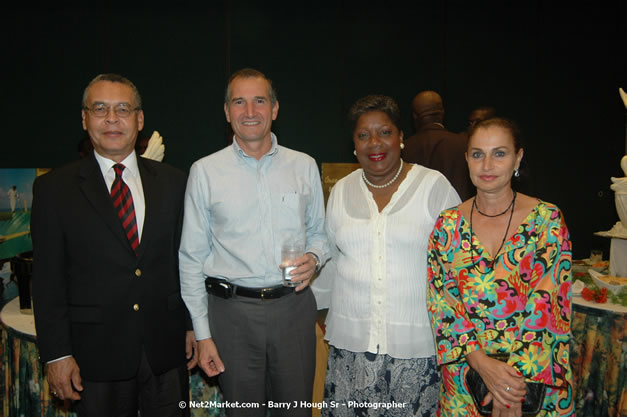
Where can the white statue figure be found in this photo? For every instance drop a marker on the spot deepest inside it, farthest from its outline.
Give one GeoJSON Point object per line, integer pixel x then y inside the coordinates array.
{"type": "Point", "coordinates": [156, 148]}
{"type": "Point", "coordinates": [619, 186]}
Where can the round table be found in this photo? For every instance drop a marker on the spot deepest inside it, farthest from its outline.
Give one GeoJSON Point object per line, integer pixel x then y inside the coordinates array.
{"type": "Point", "coordinates": [23, 385]}
{"type": "Point", "coordinates": [25, 391]}
{"type": "Point", "coordinates": [12, 317]}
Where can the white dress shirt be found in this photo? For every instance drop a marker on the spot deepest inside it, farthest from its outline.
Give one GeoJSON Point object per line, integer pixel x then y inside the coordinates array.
{"type": "Point", "coordinates": [132, 178]}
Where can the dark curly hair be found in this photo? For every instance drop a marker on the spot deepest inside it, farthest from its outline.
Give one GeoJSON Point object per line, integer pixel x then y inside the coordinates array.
{"type": "Point", "coordinates": [374, 102]}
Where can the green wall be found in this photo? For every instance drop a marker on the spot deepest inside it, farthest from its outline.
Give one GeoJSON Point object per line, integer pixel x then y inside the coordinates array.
{"type": "Point", "coordinates": [556, 71]}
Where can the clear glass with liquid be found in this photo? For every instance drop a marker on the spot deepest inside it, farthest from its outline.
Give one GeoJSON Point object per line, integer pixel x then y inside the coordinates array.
{"type": "Point", "coordinates": [290, 252]}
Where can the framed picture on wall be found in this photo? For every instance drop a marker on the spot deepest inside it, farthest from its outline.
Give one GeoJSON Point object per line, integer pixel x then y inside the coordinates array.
{"type": "Point", "coordinates": [16, 197]}
{"type": "Point", "coordinates": [332, 173]}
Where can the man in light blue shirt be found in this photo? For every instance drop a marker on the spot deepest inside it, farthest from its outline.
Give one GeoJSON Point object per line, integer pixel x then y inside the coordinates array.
{"type": "Point", "coordinates": [242, 203]}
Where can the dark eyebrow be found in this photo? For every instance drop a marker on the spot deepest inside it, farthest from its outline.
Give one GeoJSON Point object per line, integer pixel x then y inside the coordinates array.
{"type": "Point", "coordinates": [126, 103]}
{"type": "Point", "coordinates": [254, 98]}
{"type": "Point", "coordinates": [498, 148]}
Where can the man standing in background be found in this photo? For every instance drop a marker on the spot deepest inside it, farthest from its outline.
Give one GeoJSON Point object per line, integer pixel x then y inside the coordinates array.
{"type": "Point", "coordinates": [433, 146]}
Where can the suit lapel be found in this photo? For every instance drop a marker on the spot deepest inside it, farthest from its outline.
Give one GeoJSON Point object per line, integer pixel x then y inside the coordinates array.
{"type": "Point", "coordinates": [95, 190]}
{"type": "Point", "coordinates": [153, 198]}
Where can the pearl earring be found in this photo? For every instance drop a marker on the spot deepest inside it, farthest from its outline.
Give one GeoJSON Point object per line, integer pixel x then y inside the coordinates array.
{"type": "Point", "coordinates": [355, 152]}
{"type": "Point", "coordinates": [402, 145]}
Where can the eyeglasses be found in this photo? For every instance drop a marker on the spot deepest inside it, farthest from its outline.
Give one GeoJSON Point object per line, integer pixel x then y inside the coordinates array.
{"type": "Point", "coordinates": [101, 110]}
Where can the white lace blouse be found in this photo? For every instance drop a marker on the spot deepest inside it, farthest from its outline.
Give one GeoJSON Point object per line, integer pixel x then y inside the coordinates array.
{"type": "Point", "coordinates": [375, 283]}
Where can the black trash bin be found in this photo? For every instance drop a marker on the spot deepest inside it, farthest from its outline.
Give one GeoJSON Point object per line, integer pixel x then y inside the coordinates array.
{"type": "Point", "coordinates": [22, 266]}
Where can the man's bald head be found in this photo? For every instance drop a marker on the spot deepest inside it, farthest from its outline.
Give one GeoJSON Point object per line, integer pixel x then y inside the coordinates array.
{"type": "Point", "coordinates": [427, 108]}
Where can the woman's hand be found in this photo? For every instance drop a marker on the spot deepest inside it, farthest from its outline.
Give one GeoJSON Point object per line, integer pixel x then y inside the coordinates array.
{"type": "Point", "coordinates": [505, 410]}
{"type": "Point", "coordinates": [505, 384]}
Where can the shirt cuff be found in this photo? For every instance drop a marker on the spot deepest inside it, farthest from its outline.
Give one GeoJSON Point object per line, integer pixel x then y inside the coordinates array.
{"type": "Point", "coordinates": [58, 359]}
{"type": "Point", "coordinates": [317, 260]}
{"type": "Point", "coordinates": [201, 328]}
{"type": "Point", "coordinates": [319, 255]}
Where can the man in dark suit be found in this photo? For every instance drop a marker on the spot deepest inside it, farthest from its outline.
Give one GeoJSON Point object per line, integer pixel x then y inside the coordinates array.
{"type": "Point", "coordinates": [433, 146]}
{"type": "Point", "coordinates": [111, 324]}
{"type": "Point", "coordinates": [479, 114]}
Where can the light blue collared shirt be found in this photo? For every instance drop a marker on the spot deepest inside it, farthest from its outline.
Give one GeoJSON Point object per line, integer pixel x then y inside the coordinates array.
{"type": "Point", "coordinates": [238, 212]}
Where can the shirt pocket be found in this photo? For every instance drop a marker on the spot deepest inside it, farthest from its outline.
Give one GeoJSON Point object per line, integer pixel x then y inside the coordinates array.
{"type": "Point", "coordinates": [291, 213]}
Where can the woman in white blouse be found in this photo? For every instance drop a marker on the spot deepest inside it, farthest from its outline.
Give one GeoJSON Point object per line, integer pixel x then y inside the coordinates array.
{"type": "Point", "coordinates": [382, 356]}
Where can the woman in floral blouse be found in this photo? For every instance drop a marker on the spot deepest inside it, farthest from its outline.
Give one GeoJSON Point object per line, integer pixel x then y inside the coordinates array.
{"type": "Point", "coordinates": [500, 283]}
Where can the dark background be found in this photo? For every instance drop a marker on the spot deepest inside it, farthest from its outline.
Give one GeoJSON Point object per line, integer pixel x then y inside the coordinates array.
{"type": "Point", "coordinates": [554, 70]}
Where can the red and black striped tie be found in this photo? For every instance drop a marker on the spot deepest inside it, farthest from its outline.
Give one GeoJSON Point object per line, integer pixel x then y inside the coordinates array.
{"type": "Point", "coordinates": [123, 203]}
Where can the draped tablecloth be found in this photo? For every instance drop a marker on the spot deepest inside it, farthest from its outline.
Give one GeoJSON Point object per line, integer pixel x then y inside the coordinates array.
{"type": "Point", "coordinates": [598, 358]}
{"type": "Point", "coordinates": [598, 354]}
{"type": "Point", "coordinates": [23, 385]}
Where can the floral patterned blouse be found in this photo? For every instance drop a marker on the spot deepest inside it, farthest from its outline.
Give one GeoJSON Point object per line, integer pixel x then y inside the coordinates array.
{"type": "Point", "coordinates": [518, 303]}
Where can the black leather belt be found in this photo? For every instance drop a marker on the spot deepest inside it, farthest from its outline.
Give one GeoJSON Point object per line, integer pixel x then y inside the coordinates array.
{"type": "Point", "coordinates": [224, 289]}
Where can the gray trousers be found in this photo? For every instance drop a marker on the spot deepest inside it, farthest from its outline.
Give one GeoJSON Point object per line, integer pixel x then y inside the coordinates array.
{"type": "Point", "coordinates": [269, 352]}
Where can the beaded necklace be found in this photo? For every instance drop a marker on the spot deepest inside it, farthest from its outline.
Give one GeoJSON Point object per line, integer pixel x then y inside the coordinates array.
{"type": "Point", "coordinates": [472, 246]}
{"type": "Point", "coordinates": [387, 184]}
{"type": "Point", "coordinates": [495, 215]}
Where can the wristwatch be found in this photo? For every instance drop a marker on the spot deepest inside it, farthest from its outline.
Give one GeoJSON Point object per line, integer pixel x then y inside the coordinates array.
{"type": "Point", "coordinates": [317, 261]}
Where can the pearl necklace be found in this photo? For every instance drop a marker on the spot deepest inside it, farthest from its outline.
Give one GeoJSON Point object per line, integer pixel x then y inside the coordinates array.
{"type": "Point", "coordinates": [387, 184]}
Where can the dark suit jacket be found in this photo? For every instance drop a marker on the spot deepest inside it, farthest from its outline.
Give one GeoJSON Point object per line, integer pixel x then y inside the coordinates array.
{"type": "Point", "coordinates": [435, 147]}
{"type": "Point", "coordinates": [93, 297]}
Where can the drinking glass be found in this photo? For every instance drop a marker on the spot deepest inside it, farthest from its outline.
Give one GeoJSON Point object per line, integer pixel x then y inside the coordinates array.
{"type": "Point", "coordinates": [291, 250]}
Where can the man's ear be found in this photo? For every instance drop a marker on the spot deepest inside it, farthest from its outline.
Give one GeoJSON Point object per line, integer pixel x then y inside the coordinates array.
{"type": "Point", "coordinates": [140, 120]}
{"type": "Point", "coordinates": [226, 113]}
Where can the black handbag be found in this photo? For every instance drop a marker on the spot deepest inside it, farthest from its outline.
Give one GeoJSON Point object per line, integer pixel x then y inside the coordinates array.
{"type": "Point", "coordinates": [478, 389]}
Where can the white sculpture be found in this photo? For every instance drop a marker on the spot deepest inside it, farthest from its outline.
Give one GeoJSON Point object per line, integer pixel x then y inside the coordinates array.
{"type": "Point", "coordinates": [156, 148]}
{"type": "Point", "coordinates": [619, 187]}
